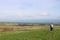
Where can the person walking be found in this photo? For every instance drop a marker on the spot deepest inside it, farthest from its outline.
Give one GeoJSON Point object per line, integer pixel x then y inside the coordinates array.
{"type": "Point", "coordinates": [51, 27]}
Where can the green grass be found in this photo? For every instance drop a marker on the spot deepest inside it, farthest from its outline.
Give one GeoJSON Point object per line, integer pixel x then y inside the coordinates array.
{"type": "Point", "coordinates": [31, 35]}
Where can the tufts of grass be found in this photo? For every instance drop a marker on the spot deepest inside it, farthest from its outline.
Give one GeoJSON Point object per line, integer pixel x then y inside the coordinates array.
{"type": "Point", "coordinates": [31, 35]}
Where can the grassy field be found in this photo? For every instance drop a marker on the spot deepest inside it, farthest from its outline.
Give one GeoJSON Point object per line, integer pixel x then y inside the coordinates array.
{"type": "Point", "coordinates": [38, 34]}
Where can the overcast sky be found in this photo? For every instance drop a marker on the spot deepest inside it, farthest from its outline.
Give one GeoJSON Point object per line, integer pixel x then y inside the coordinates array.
{"type": "Point", "coordinates": [29, 9]}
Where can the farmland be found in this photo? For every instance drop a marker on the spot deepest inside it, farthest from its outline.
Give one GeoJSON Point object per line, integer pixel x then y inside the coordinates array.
{"type": "Point", "coordinates": [30, 33]}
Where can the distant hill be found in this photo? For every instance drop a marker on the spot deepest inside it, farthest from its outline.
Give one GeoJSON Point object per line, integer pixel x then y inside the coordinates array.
{"type": "Point", "coordinates": [30, 22]}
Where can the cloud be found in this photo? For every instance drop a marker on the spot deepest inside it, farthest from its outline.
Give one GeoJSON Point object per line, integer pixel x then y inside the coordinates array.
{"type": "Point", "coordinates": [58, 17]}
{"type": "Point", "coordinates": [19, 14]}
{"type": "Point", "coordinates": [44, 14]}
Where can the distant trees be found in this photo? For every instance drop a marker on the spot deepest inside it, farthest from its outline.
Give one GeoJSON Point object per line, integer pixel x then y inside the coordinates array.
{"type": "Point", "coordinates": [31, 24]}
{"type": "Point", "coordinates": [25, 24]}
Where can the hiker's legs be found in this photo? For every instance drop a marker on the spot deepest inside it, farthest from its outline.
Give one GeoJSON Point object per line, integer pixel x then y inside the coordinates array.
{"type": "Point", "coordinates": [51, 29]}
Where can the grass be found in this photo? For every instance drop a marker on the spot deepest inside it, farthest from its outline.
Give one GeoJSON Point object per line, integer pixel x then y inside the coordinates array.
{"type": "Point", "coordinates": [42, 34]}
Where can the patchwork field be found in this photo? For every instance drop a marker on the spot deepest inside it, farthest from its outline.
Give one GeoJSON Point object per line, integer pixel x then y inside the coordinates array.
{"type": "Point", "coordinates": [30, 33]}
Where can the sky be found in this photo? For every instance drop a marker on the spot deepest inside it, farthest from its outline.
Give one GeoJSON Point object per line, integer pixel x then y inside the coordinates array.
{"type": "Point", "coordinates": [29, 9]}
